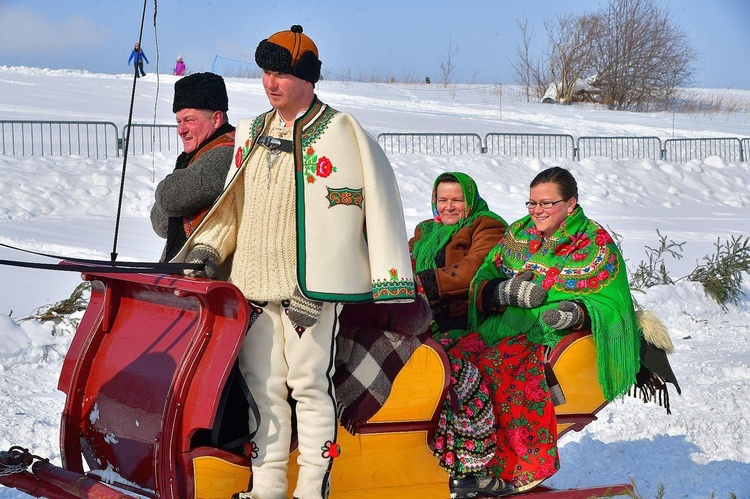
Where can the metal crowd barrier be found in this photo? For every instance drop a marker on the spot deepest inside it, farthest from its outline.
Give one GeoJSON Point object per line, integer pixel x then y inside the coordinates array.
{"type": "Point", "coordinates": [619, 147]}
{"type": "Point", "coordinates": [100, 139]}
{"type": "Point", "coordinates": [148, 138]}
{"type": "Point", "coordinates": [431, 143]}
{"type": "Point", "coordinates": [538, 145]}
{"type": "Point", "coordinates": [684, 150]}
{"type": "Point", "coordinates": [60, 138]}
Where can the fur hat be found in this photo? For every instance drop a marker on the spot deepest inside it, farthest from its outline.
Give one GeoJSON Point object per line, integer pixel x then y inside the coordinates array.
{"type": "Point", "coordinates": [200, 91]}
{"type": "Point", "coordinates": [290, 52]}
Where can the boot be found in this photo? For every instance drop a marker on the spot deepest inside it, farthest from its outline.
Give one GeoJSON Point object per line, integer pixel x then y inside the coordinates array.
{"type": "Point", "coordinates": [479, 486]}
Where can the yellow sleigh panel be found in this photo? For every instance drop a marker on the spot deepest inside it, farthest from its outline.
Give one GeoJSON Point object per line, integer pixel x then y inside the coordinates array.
{"type": "Point", "coordinates": [390, 456]}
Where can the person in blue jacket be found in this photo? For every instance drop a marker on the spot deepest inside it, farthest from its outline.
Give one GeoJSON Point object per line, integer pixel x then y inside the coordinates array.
{"type": "Point", "coordinates": [137, 56]}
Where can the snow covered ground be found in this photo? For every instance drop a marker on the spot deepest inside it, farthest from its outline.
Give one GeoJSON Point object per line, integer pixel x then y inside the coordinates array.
{"type": "Point", "coordinates": [67, 206]}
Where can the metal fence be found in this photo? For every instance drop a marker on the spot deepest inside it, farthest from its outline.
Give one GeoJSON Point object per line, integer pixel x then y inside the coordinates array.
{"type": "Point", "coordinates": [100, 139]}
{"type": "Point", "coordinates": [146, 138]}
{"type": "Point", "coordinates": [431, 143]}
{"type": "Point", "coordinates": [60, 138]}
{"type": "Point", "coordinates": [619, 147]}
{"type": "Point", "coordinates": [684, 150]}
{"type": "Point", "coordinates": [538, 145]}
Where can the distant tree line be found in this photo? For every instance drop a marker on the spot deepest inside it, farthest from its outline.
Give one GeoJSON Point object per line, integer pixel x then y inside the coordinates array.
{"type": "Point", "coordinates": [630, 54]}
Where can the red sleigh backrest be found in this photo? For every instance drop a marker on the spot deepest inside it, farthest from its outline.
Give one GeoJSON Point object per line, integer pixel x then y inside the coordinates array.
{"type": "Point", "coordinates": [132, 408]}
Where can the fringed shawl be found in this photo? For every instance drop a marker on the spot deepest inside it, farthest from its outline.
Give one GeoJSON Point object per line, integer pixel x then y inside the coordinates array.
{"type": "Point", "coordinates": [579, 262]}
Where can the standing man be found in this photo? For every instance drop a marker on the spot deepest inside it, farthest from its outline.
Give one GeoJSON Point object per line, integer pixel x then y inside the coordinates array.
{"type": "Point", "coordinates": [200, 105]}
{"type": "Point", "coordinates": [292, 222]}
{"type": "Point", "coordinates": [137, 56]}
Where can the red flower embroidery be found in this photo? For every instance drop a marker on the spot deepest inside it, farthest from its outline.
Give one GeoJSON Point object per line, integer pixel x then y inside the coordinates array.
{"type": "Point", "coordinates": [577, 257]}
{"type": "Point", "coordinates": [548, 282]}
{"type": "Point", "coordinates": [310, 179]}
{"type": "Point", "coordinates": [602, 237]}
{"type": "Point", "coordinates": [592, 282]}
{"type": "Point", "coordinates": [563, 249]}
{"type": "Point", "coordinates": [603, 275]}
{"type": "Point", "coordinates": [580, 241]}
{"type": "Point", "coordinates": [238, 157]}
{"type": "Point", "coordinates": [310, 151]}
{"type": "Point", "coordinates": [534, 245]}
{"type": "Point", "coordinates": [331, 450]}
{"type": "Point", "coordinates": [552, 272]}
{"type": "Point", "coordinates": [324, 167]}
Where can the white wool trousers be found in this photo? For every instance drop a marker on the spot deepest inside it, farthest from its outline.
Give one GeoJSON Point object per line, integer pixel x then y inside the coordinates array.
{"type": "Point", "coordinates": [277, 362]}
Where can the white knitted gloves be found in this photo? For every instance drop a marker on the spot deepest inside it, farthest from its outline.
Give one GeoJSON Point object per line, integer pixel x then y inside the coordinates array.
{"type": "Point", "coordinates": [520, 292]}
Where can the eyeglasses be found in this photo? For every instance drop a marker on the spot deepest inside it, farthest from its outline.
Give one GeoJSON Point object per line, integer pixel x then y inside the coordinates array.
{"type": "Point", "coordinates": [545, 205]}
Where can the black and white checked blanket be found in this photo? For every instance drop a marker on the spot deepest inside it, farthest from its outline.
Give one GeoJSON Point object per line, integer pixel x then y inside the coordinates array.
{"type": "Point", "coordinates": [373, 344]}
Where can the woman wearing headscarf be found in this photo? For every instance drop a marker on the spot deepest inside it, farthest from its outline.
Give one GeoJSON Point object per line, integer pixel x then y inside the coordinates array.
{"type": "Point", "coordinates": [447, 250]}
{"type": "Point", "coordinates": [555, 271]}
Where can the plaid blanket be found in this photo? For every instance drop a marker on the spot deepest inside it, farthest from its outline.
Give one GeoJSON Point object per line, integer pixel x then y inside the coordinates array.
{"type": "Point", "coordinates": [373, 344]}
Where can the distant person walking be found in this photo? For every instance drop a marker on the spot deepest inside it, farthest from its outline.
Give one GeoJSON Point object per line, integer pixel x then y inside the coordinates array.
{"type": "Point", "coordinates": [179, 67]}
{"type": "Point", "coordinates": [137, 56]}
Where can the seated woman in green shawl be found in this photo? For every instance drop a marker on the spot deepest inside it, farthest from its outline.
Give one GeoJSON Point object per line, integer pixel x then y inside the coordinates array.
{"type": "Point", "coordinates": [447, 250]}
{"type": "Point", "coordinates": [555, 271]}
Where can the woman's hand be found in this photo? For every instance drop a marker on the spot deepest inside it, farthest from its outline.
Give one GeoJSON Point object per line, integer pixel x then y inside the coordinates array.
{"type": "Point", "coordinates": [520, 292]}
{"type": "Point", "coordinates": [567, 315]}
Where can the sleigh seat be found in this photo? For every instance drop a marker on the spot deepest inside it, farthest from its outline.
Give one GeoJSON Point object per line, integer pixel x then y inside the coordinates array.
{"type": "Point", "coordinates": [391, 456]}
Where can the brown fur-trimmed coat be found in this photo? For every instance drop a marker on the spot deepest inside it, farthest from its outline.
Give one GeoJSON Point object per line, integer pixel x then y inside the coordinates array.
{"type": "Point", "coordinates": [447, 286]}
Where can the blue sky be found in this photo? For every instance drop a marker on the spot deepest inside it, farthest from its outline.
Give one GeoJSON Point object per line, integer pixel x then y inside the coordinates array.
{"type": "Point", "coordinates": [399, 38]}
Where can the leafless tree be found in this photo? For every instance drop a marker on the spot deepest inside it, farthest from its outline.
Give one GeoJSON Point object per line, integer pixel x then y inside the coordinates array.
{"type": "Point", "coordinates": [528, 72]}
{"type": "Point", "coordinates": [631, 51]}
{"type": "Point", "coordinates": [642, 56]}
{"type": "Point", "coordinates": [569, 57]}
{"type": "Point", "coordinates": [448, 65]}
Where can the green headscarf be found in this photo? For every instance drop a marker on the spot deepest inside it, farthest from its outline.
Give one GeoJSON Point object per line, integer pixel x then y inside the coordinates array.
{"type": "Point", "coordinates": [436, 234]}
{"type": "Point", "coordinates": [579, 262]}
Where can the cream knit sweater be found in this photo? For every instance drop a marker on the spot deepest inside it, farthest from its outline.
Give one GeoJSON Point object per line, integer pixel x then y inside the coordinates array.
{"type": "Point", "coordinates": [264, 262]}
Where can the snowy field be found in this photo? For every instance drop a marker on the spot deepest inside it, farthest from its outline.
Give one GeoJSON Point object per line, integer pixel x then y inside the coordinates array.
{"type": "Point", "coordinates": [67, 206]}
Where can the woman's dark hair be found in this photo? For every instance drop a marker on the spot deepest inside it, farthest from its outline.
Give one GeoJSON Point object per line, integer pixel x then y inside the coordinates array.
{"type": "Point", "coordinates": [560, 176]}
{"type": "Point", "coordinates": [446, 177]}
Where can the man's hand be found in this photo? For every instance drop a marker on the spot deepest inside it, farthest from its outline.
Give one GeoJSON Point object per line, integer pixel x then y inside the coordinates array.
{"type": "Point", "coordinates": [206, 256]}
{"type": "Point", "coordinates": [304, 312]}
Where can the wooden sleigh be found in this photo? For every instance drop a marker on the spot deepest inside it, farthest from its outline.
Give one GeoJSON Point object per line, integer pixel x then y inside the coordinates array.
{"type": "Point", "coordinates": [154, 408]}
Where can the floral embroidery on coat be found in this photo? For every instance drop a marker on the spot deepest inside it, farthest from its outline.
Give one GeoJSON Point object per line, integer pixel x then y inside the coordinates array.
{"type": "Point", "coordinates": [316, 167]}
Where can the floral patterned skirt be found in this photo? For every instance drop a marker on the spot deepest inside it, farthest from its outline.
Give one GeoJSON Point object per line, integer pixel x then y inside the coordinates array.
{"type": "Point", "coordinates": [465, 436]}
{"type": "Point", "coordinates": [524, 414]}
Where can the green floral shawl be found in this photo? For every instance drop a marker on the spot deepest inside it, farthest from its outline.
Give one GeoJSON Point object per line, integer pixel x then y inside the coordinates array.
{"type": "Point", "coordinates": [435, 234]}
{"type": "Point", "coordinates": [579, 262]}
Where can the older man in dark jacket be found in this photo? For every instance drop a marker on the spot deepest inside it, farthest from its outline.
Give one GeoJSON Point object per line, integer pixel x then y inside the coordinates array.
{"type": "Point", "coordinates": [184, 196]}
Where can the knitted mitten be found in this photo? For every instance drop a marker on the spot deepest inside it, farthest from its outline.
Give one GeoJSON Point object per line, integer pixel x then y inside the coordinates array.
{"type": "Point", "coordinates": [520, 292]}
{"type": "Point", "coordinates": [567, 315]}
{"type": "Point", "coordinates": [205, 255]}
{"type": "Point", "coordinates": [304, 312]}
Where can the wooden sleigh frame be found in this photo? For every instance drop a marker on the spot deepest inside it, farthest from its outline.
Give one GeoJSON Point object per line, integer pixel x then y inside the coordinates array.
{"type": "Point", "coordinates": [147, 376]}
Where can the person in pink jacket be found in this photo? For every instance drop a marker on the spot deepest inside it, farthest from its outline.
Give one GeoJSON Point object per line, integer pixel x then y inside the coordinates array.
{"type": "Point", "coordinates": [179, 68]}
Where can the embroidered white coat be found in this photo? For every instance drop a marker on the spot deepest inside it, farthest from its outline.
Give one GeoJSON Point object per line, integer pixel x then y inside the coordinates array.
{"type": "Point", "coordinates": [338, 259]}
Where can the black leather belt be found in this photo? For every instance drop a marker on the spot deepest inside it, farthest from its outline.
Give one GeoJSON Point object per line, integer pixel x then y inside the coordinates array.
{"type": "Point", "coordinates": [275, 143]}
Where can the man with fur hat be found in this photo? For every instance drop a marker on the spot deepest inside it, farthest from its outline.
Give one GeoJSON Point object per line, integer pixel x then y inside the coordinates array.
{"type": "Point", "coordinates": [183, 197]}
{"type": "Point", "coordinates": [292, 222]}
